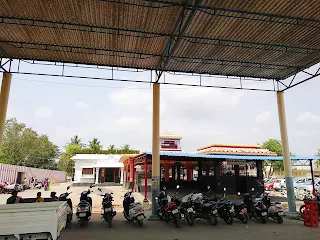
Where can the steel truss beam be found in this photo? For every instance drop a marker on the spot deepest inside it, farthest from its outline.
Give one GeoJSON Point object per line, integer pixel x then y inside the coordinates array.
{"type": "Point", "coordinates": [173, 42]}
{"type": "Point", "coordinates": [16, 69]}
{"type": "Point", "coordinates": [142, 55]}
{"type": "Point", "coordinates": [291, 84]}
{"type": "Point", "coordinates": [5, 20]}
{"type": "Point", "coordinates": [254, 16]}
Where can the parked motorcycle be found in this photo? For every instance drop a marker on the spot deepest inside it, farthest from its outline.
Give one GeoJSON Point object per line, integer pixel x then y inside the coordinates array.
{"type": "Point", "coordinates": [255, 209]}
{"type": "Point", "coordinates": [186, 209]}
{"type": "Point", "coordinates": [168, 209]}
{"type": "Point", "coordinates": [64, 197]}
{"type": "Point", "coordinates": [275, 210]}
{"type": "Point", "coordinates": [84, 208]}
{"type": "Point", "coordinates": [204, 209]}
{"type": "Point", "coordinates": [133, 211]}
{"type": "Point", "coordinates": [240, 212]}
{"type": "Point", "coordinates": [107, 212]}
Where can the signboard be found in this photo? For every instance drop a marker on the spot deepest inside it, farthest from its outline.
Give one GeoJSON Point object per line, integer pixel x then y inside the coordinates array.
{"type": "Point", "coordinates": [155, 182]}
{"type": "Point", "coordinates": [169, 144]}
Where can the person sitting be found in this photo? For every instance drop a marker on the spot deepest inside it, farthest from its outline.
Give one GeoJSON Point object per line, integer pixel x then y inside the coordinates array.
{"type": "Point", "coordinates": [14, 198]}
{"type": "Point", "coordinates": [39, 198]}
{"type": "Point", "coordinates": [53, 196]}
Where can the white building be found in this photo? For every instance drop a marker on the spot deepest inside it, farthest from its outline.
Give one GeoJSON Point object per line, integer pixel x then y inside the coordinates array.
{"type": "Point", "coordinates": [98, 168]}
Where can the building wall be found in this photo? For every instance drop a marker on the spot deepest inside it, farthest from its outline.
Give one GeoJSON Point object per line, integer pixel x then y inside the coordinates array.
{"type": "Point", "coordinates": [9, 173]}
{"type": "Point", "coordinates": [79, 164]}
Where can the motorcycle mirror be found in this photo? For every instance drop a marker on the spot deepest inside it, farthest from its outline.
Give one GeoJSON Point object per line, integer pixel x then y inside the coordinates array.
{"type": "Point", "coordinates": [224, 189]}
{"type": "Point", "coordinates": [156, 198]}
{"type": "Point", "coordinates": [178, 186]}
{"type": "Point", "coordinates": [164, 188]}
{"type": "Point", "coordinates": [68, 187]}
{"type": "Point", "coordinates": [208, 187]}
{"type": "Point", "coordinates": [238, 193]}
{"type": "Point", "coordinates": [252, 189]}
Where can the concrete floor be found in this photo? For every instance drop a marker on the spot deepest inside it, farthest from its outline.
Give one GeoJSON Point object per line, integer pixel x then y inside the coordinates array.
{"type": "Point", "coordinates": [290, 229]}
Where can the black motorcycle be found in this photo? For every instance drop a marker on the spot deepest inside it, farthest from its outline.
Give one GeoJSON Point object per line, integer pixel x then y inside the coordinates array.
{"type": "Point", "coordinates": [107, 213]}
{"type": "Point", "coordinates": [255, 209]}
{"type": "Point", "coordinates": [84, 208]}
{"type": "Point", "coordinates": [205, 210]}
{"type": "Point", "coordinates": [64, 197]}
{"type": "Point", "coordinates": [186, 208]}
{"type": "Point", "coordinates": [240, 212]}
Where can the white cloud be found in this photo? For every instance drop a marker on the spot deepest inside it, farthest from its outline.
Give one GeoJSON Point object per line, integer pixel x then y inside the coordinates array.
{"type": "Point", "coordinates": [130, 97]}
{"type": "Point", "coordinates": [308, 117]}
{"type": "Point", "coordinates": [129, 121]}
{"type": "Point", "coordinates": [43, 112]}
{"type": "Point", "coordinates": [263, 117]}
{"type": "Point", "coordinates": [306, 133]}
{"type": "Point", "coordinates": [254, 130]}
{"type": "Point", "coordinates": [81, 106]}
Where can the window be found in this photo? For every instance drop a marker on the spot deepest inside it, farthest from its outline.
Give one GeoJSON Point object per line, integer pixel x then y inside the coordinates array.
{"type": "Point", "coordinates": [87, 171]}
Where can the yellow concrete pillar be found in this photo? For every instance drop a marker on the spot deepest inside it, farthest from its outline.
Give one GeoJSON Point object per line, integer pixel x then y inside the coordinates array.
{"type": "Point", "coordinates": [155, 146]}
{"type": "Point", "coordinates": [286, 152]}
{"type": "Point", "coordinates": [4, 98]}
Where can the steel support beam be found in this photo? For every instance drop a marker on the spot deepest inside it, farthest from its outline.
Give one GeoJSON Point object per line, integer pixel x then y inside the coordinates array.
{"type": "Point", "coordinates": [6, 20]}
{"type": "Point", "coordinates": [155, 148]}
{"type": "Point", "coordinates": [286, 152]}
{"type": "Point", "coordinates": [4, 99]}
{"type": "Point", "coordinates": [179, 29]}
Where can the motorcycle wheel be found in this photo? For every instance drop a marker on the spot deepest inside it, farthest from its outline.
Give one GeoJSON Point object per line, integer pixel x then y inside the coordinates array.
{"type": "Point", "coordinates": [263, 219]}
{"type": "Point", "coordinates": [190, 219]}
{"type": "Point", "coordinates": [140, 223]}
{"type": "Point", "coordinates": [109, 219]}
{"type": "Point", "coordinates": [302, 209]}
{"type": "Point", "coordinates": [69, 218]}
{"type": "Point", "coordinates": [213, 220]}
{"type": "Point", "coordinates": [126, 216]}
{"type": "Point", "coordinates": [244, 218]}
{"type": "Point", "coordinates": [83, 223]}
{"type": "Point", "coordinates": [176, 220]}
{"type": "Point", "coordinates": [228, 218]}
{"type": "Point", "coordinates": [279, 219]}
{"type": "Point", "coordinates": [160, 214]}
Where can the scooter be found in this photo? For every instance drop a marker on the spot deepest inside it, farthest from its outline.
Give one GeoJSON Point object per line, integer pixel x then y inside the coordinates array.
{"type": "Point", "coordinates": [84, 208]}
{"type": "Point", "coordinates": [275, 210]}
{"type": "Point", "coordinates": [107, 212]}
{"type": "Point", "coordinates": [168, 208]}
{"type": "Point", "coordinates": [133, 211]}
{"type": "Point", "coordinates": [64, 197]}
{"type": "Point", "coordinates": [255, 209]}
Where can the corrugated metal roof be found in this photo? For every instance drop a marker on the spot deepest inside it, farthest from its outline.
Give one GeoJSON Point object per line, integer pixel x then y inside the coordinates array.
{"type": "Point", "coordinates": [249, 38]}
{"type": "Point", "coordinates": [233, 157]}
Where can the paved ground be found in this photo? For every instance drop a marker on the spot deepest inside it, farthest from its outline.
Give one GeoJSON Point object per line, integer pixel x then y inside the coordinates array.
{"type": "Point", "coordinates": [122, 230]}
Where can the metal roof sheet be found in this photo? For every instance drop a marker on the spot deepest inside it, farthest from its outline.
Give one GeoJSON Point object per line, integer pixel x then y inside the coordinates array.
{"type": "Point", "coordinates": [249, 38]}
{"type": "Point", "coordinates": [233, 157]}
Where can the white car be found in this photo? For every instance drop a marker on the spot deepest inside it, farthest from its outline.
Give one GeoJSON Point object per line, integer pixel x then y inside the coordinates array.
{"type": "Point", "coordinates": [300, 181]}
{"type": "Point", "coordinates": [279, 184]}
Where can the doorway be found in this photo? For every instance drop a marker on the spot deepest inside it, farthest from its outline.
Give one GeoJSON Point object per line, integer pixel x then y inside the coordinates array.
{"type": "Point", "coordinates": [109, 175]}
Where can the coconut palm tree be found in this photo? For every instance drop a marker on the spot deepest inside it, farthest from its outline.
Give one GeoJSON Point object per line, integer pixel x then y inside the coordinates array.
{"type": "Point", "coordinates": [95, 145]}
{"type": "Point", "coordinates": [112, 149]}
{"type": "Point", "coordinates": [75, 140]}
{"type": "Point", "coordinates": [125, 149]}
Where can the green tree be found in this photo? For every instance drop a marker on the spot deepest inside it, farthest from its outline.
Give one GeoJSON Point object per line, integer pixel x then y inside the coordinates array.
{"type": "Point", "coordinates": [274, 145]}
{"type": "Point", "coordinates": [125, 148]}
{"type": "Point", "coordinates": [317, 163]}
{"type": "Point", "coordinates": [95, 145]}
{"type": "Point", "coordinates": [65, 163]}
{"type": "Point", "coordinates": [112, 149]}
{"type": "Point", "coordinates": [24, 146]}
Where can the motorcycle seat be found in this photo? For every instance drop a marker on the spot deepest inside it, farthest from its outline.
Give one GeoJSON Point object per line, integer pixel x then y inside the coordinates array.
{"type": "Point", "coordinates": [206, 205]}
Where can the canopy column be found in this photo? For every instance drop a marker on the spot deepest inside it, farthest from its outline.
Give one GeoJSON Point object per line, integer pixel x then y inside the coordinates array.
{"type": "Point", "coordinates": [166, 167]}
{"type": "Point", "coordinates": [4, 99]}
{"type": "Point", "coordinates": [155, 147]}
{"type": "Point", "coordinates": [286, 152]}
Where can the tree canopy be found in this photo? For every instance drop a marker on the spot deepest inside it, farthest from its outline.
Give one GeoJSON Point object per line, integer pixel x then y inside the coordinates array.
{"type": "Point", "coordinates": [24, 146]}
{"type": "Point", "coordinates": [95, 145]}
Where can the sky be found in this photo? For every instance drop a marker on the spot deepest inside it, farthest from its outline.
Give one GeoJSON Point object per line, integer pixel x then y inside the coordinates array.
{"type": "Point", "coordinates": [121, 113]}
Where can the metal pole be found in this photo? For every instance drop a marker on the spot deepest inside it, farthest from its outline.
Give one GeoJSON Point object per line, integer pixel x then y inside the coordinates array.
{"type": "Point", "coordinates": [155, 147]}
{"type": "Point", "coordinates": [286, 153]}
{"type": "Point", "coordinates": [313, 188]}
{"type": "Point", "coordinates": [4, 99]}
{"type": "Point", "coordinates": [145, 179]}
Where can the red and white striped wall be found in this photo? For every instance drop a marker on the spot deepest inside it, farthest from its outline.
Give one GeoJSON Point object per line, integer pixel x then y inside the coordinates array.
{"type": "Point", "coordinates": [9, 173]}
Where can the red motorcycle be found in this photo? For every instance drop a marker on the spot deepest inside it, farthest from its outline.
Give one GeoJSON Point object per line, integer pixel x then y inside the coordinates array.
{"type": "Point", "coordinates": [168, 208]}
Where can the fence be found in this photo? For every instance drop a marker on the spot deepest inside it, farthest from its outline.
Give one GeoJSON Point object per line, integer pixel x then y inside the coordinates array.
{"type": "Point", "coordinates": [16, 174]}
